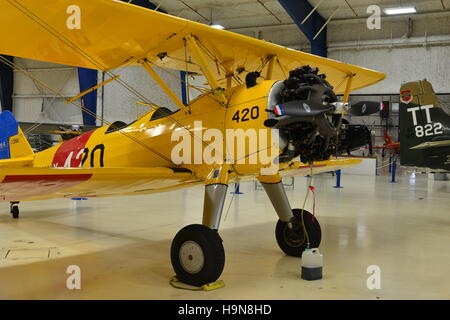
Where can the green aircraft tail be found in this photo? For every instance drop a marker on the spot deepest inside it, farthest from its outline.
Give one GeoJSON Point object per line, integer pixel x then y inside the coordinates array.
{"type": "Point", "coordinates": [424, 128]}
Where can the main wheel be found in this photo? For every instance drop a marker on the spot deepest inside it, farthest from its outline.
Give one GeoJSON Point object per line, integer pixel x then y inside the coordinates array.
{"type": "Point", "coordinates": [197, 255]}
{"type": "Point", "coordinates": [293, 241]}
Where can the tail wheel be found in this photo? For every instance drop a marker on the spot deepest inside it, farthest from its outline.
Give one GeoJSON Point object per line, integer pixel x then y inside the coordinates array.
{"type": "Point", "coordinates": [15, 210]}
{"type": "Point", "coordinates": [293, 241]}
{"type": "Point", "coordinates": [197, 255]}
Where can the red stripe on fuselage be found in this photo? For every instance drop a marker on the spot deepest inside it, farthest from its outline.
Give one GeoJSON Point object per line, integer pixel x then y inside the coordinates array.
{"type": "Point", "coordinates": [72, 149]}
{"type": "Point", "coordinates": [14, 188]}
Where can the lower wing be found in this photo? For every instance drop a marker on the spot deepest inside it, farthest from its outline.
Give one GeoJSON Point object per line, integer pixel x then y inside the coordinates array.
{"type": "Point", "coordinates": [18, 184]}
{"type": "Point", "coordinates": [299, 168]}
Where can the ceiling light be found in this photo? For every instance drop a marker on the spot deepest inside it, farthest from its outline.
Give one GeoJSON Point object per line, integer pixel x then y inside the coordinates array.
{"type": "Point", "coordinates": [401, 10]}
{"type": "Point", "coordinates": [217, 26]}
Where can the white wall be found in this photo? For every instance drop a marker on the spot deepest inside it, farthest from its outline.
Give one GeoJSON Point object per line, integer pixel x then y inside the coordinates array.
{"type": "Point", "coordinates": [405, 50]}
{"type": "Point", "coordinates": [396, 49]}
{"type": "Point", "coordinates": [401, 65]}
{"type": "Point", "coordinates": [35, 103]}
{"type": "Point", "coordinates": [120, 104]}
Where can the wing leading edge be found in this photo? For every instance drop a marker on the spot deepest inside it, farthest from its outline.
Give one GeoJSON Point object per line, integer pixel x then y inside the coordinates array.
{"type": "Point", "coordinates": [299, 168]}
{"type": "Point", "coordinates": [106, 34]}
{"type": "Point", "coordinates": [18, 184]}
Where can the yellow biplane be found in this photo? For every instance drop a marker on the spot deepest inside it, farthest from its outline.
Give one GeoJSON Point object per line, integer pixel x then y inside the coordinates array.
{"type": "Point", "coordinates": [256, 89]}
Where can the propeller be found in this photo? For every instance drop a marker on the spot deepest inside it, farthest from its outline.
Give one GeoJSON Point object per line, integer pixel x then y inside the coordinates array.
{"type": "Point", "coordinates": [364, 108]}
{"type": "Point", "coordinates": [291, 111]}
{"type": "Point", "coordinates": [302, 108]}
{"type": "Point", "coordinates": [296, 110]}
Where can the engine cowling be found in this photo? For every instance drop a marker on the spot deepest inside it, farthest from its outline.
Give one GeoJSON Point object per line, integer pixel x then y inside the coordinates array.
{"type": "Point", "coordinates": [303, 109]}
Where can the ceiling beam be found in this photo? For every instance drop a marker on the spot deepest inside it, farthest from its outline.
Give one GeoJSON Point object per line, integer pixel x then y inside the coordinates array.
{"type": "Point", "coordinates": [299, 10]}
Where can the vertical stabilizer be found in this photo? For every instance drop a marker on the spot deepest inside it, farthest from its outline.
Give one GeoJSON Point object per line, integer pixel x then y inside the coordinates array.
{"type": "Point", "coordinates": [13, 143]}
{"type": "Point", "coordinates": [424, 128]}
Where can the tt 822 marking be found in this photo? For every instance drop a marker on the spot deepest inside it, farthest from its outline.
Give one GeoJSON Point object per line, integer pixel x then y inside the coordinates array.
{"type": "Point", "coordinates": [428, 130]}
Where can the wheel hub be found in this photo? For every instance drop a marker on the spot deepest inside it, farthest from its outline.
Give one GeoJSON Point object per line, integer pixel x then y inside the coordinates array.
{"type": "Point", "coordinates": [294, 236]}
{"type": "Point", "coordinates": [191, 257]}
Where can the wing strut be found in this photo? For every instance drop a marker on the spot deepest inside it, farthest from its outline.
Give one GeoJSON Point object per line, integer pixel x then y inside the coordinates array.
{"type": "Point", "coordinates": [201, 60]}
{"type": "Point", "coordinates": [348, 88]}
{"type": "Point", "coordinates": [82, 94]}
{"type": "Point", "coordinates": [270, 67]}
{"type": "Point", "coordinates": [146, 64]}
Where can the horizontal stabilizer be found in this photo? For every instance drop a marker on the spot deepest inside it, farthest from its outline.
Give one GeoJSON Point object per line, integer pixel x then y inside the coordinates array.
{"type": "Point", "coordinates": [432, 144]}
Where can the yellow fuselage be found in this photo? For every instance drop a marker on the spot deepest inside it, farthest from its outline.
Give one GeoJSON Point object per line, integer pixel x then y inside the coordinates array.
{"type": "Point", "coordinates": [132, 146]}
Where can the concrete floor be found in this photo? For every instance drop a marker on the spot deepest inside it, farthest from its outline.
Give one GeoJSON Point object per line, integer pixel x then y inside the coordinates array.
{"type": "Point", "coordinates": [122, 244]}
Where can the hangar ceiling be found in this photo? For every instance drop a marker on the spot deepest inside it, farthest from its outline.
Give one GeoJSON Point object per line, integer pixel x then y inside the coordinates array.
{"type": "Point", "coordinates": [237, 13]}
{"type": "Point", "coordinates": [266, 19]}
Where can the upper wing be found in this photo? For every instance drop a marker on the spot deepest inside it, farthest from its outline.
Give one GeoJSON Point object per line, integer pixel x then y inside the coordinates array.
{"type": "Point", "coordinates": [106, 34]}
{"type": "Point", "coordinates": [44, 183]}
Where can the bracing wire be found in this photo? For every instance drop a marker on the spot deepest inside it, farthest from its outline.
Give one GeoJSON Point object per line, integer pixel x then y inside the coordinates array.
{"type": "Point", "coordinates": [77, 49]}
{"type": "Point", "coordinates": [100, 66]}
{"type": "Point", "coordinates": [81, 107]}
{"type": "Point", "coordinates": [305, 231]}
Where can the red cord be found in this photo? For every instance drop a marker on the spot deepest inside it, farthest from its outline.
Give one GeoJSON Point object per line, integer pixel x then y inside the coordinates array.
{"type": "Point", "coordinates": [313, 190]}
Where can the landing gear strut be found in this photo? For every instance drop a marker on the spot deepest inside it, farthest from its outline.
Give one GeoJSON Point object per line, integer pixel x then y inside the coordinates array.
{"type": "Point", "coordinates": [291, 226]}
{"type": "Point", "coordinates": [293, 240]}
{"type": "Point", "coordinates": [15, 209]}
{"type": "Point", "coordinates": [197, 252]}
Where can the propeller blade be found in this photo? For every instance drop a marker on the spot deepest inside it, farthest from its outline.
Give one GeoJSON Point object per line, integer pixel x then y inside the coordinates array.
{"type": "Point", "coordinates": [364, 108]}
{"type": "Point", "coordinates": [302, 108]}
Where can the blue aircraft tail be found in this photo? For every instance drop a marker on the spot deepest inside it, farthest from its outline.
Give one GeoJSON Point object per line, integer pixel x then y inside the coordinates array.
{"type": "Point", "coordinates": [13, 143]}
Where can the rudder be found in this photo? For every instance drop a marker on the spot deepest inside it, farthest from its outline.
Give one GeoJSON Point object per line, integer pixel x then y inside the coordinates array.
{"type": "Point", "coordinates": [13, 143]}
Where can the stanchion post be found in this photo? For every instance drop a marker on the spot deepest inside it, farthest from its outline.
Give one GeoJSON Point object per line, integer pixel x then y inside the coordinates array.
{"type": "Point", "coordinates": [390, 163]}
{"type": "Point", "coordinates": [237, 189]}
{"type": "Point", "coordinates": [394, 169]}
{"type": "Point", "coordinates": [338, 180]}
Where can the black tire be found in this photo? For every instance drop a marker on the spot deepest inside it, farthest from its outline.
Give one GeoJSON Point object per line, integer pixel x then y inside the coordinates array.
{"type": "Point", "coordinates": [187, 261]}
{"type": "Point", "coordinates": [15, 212]}
{"type": "Point", "coordinates": [293, 241]}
